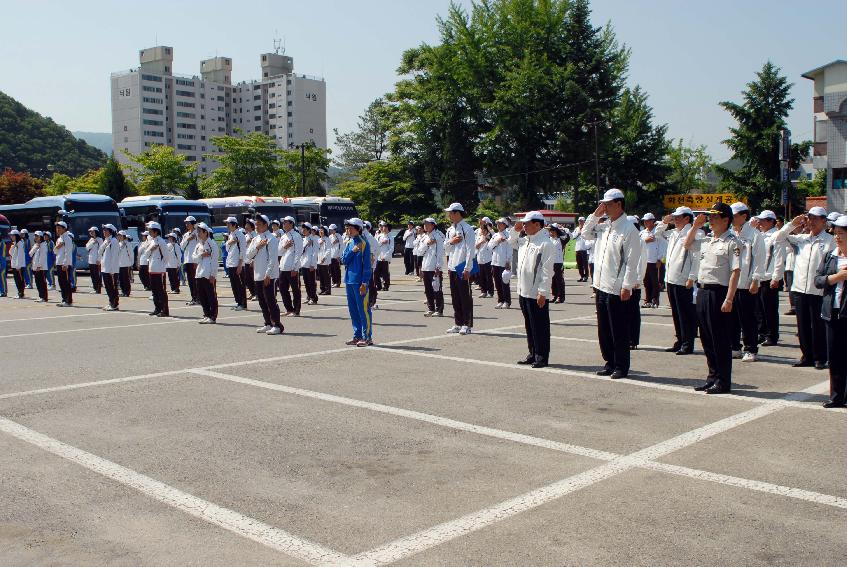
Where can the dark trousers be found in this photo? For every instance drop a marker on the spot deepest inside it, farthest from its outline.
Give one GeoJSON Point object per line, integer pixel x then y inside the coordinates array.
{"type": "Point", "coordinates": [486, 280]}
{"type": "Point", "coordinates": [613, 330]}
{"type": "Point", "coordinates": [160, 297]}
{"type": "Point", "coordinates": [335, 271]}
{"type": "Point", "coordinates": [325, 279]}
{"type": "Point", "coordinates": [744, 326]}
{"type": "Point", "coordinates": [836, 339]}
{"type": "Point", "coordinates": [267, 302]}
{"type": "Point", "coordinates": [591, 271]}
{"type": "Point", "coordinates": [684, 315]}
{"type": "Point", "coordinates": [409, 260]}
{"type": "Point", "coordinates": [144, 276]}
{"type": "Point", "coordinates": [582, 264]}
{"type": "Point", "coordinates": [651, 284]}
{"type": "Point", "coordinates": [537, 323]}
{"type": "Point", "coordinates": [309, 283]}
{"type": "Point", "coordinates": [96, 278]}
{"type": "Point", "coordinates": [373, 294]}
{"type": "Point", "coordinates": [382, 275]}
{"type": "Point", "coordinates": [504, 292]}
{"type": "Point", "coordinates": [247, 279]}
{"type": "Point", "coordinates": [460, 294]}
{"type": "Point", "coordinates": [634, 317]}
{"type": "Point", "coordinates": [289, 289]}
{"type": "Point", "coordinates": [434, 299]}
{"type": "Point", "coordinates": [810, 327]}
{"type": "Point", "coordinates": [557, 283]}
{"type": "Point", "coordinates": [768, 312]}
{"type": "Point", "coordinates": [208, 296]}
{"type": "Point", "coordinates": [110, 282]}
{"type": "Point", "coordinates": [239, 292]}
{"type": "Point", "coordinates": [40, 278]}
{"type": "Point", "coordinates": [65, 284]}
{"type": "Point", "coordinates": [715, 329]}
{"type": "Point", "coordinates": [190, 271]}
{"type": "Point", "coordinates": [123, 278]}
{"type": "Point", "coordinates": [418, 265]}
{"type": "Point", "coordinates": [18, 276]}
{"type": "Point", "coordinates": [173, 279]}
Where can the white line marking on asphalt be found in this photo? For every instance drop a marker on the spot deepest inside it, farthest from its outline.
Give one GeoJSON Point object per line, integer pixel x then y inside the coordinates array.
{"type": "Point", "coordinates": [79, 385]}
{"type": "Point", "coordinates": [230, 520]}
{"type": "Point", "coordinates": [98, 314]}
{"type": "Point", "coordinates": [415, 415]}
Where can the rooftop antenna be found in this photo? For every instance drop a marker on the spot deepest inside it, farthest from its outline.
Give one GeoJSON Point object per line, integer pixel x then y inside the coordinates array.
{"type": "Point", "coordinates": [279, 44]}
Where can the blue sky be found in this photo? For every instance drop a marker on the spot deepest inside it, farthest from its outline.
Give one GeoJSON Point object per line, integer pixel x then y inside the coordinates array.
{"type": "Point", "coordinates": [56, 56]}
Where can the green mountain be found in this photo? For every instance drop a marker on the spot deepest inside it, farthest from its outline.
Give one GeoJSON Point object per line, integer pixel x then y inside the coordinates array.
{"type": "Point", "coordinates": [35, 144]}
{"type": "Point", "coordinates": [100, 140]}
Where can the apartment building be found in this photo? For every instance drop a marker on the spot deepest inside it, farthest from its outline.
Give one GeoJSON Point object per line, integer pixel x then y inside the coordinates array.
{"type": "Point", "coordinates": [152, 105]}
{"type": "Point", "coordinates": [830, 129]}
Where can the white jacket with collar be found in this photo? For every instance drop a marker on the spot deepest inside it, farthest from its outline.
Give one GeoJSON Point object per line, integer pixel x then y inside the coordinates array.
{"type": "Point", "coordinates": [236, 248]}
{"type": "Point", "coordinates": [501, 249]}
{"type": "Point", "coordinates": [187, 244]}
{"type": "Point", "coordinates": [810, 252]}
{"type": "Point", "coordinates": [17, 254]}
{"type": "Point", "coordinates": [64, 253]}
{"type": "Point", "coordinates": [464, 250]}
{"type": "Point", "coordinates": [291, 249]}
{"type": "Point", "coordinates": [536, 256]}
{"type": "Point", "coordinates": [93, 246]}
{"type": "Point", "coordinates": [753, 255]}
{"type": "Point", "coordinates": [617, 252]}
{"type": "Point", "coordinates": [126, 253]}
{"type": "Point", "coordinates": [265, 263]}
{"type": "Point", "coordinates": [433, 253]}
{"type": "Point", "coordinates": [386, 247]}
{"type": "Point", "coordinates": [158, 251]}
{"type": "Point", "coordinates": [681, 265]}
{"type": "Point", "coordinates": [173, 255]}
{"type": "Point", "coordinates": [776, 253]}
{"type": "Point", "coordinates": [38, 253]}
{"type": "Point", "coordinates": [207, 266]}
{"type": "Point", "coordinates": [110, 258]}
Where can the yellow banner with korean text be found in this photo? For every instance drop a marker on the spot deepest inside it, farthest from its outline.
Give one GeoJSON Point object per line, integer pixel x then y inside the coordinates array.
{"type": "Point", "coordinates": [699, 201]}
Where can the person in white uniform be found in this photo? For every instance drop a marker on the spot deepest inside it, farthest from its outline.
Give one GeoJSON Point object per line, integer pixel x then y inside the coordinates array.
{"type": "Point", "coordinates": [409, 236]}
{"type": "Point", "coordinates": [124, 276]}
{"type": "Point", "coordinates": [110, 265]}
{"type": "Point", "coordinates": [459, 246]}
{"type": "Point", "coordinates": [158, 268]}
{"type": "Point", "coordinates": [236, 252]}
{"type": "Point", "coordinates": [206, 256]}
{"type": "Point", "coordinates": [262, 251]}
{"type": "Point", "coordinates": [38, 254]}
{"type": "Point", "coordinates": [774, 270]}
{"type": "Point", "coordinates": [189, 241]}
{"type": "Point", "coordinates": [17, 261]}
{"type": "Point", "coordinates": [93, 247]}
{"type": "Point", "coordinates": [431, 268]}
{"type": "Point", "coordinates": [501, 261]}
{"type": "Point", "coordinates": [291, 246]}
{"type": "Point", "coordinates": [64, 263]}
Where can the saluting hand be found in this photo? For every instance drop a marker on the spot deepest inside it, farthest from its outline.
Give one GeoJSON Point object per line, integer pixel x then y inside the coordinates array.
{"type": "Point", "coordinates": [667, 219]}
{"type": "Point", "coordinates": [600, 210]}
{"type": "Point", "coordinates": [700, 221]}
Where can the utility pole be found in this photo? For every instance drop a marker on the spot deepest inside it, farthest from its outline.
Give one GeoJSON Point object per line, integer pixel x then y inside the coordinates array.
{"type": "Point", "coordinates": [594, 124]}
{"type": "Point", "coordinates": [785, 169]}
{"type": "Point", "coordinates": [303, 169]}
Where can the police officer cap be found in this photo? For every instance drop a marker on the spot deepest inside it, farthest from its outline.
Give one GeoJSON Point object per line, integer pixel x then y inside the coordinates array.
{"type": "Point", "coordinates": [767, 214]}
{"type": "Point", "coordinates": [817, 212]}
{"type": "Point", "coordinates": [611, 195]}
{"type": "Point", "coordinates": [739, 207]}
{"type": "Point", "coordinates": [533, 216]}
{"type": "Point", "coordinates": [682, 211]}
{"type": "Point", "coordinates": [721, 209]}
{"type": "Point", "coordinates": [355, 221]}
{"type": "Point", "coordinates": [841, 221]}
{"type": "Point", "coordinates": [189, 218]}
{"type": "Point", "coordinates": [231, 220]}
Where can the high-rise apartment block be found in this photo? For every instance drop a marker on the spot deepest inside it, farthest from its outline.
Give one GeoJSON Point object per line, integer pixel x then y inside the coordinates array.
{"type": "Point", "coordinates": [151, 105]}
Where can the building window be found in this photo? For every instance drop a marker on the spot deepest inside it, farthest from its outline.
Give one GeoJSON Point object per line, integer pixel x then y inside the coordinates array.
{"type": "Point", "coordinates": [839, 177]}
{"type": "Point", "coordinates": [186, 125]}
{"type": "Point", "coordinates": [124, 127]}
{"type": "Point", "coordinates": [257, 107]}
{"type": "Point", "coordinates": [185, 83]}
{"type": "Point", "coordinates": [185, 147]}
{"type": "Point", "coordinates": [148, 122]}
{"type": "Point", "coordinates": [186, 93]}
{"type": "Point", "coordinates": [185, 136]}
{"type": "Point", "coordinates": [185, 104]}
{"type": "Point", "coordinates": [290, 114]}
{"type": "Point", "coordinates": [257, 129]}
{"type": "Point", "coordinates": [154, 78]}
{"type": "Point", "coordinates": [150, 89]}
{"type": "Point", "coordinates": [151, 111]}
{"type": "Point", "coordinates": [289, 103]}
{"type": "Point", "coordinates": [152, 100]}
{"type": "Point", "coordinates": [154, 134]}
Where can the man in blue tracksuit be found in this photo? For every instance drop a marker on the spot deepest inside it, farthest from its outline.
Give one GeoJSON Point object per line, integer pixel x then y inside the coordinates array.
{"type": "Point", "coordinates": [357, 259]}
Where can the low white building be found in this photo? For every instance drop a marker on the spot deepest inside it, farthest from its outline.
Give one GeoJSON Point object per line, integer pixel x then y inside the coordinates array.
{"type": "Point", "coordinates": [151, 105]}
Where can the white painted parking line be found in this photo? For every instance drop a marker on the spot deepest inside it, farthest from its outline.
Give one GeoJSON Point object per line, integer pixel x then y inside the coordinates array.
{"type": "Point", "coordinates": [79, 385]}
{"type": "Point", "coordinates": [225, 518]}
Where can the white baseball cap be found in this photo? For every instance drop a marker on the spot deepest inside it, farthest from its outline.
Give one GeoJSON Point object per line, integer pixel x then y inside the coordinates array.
{"type": "Point", "coordinates": [308, 225]}
{"type": "Point", "coordinates": [94, 228]}
{"type": "Point", "coordinates": [189, 218]}
{"type": "Point", "coordinates": [111, 227]}
{"type": "Point", "coordinates": [63, 224]}
{"type": "Point", "coordinates": [430, 220]}
{"type": "Point", "coordinates": [580, 219]}
{"type": "Point", "coordinates": [611, 195]}
{"type": "Point", "coordinates": [454, 207]}
{"type": "Point", "coordinates": [739, 207]}
{"type": "Point", "coordinates": [682, 211]}
{"type": "Point", "coordinates": [38, 233]}
{"type": "Point", "coordinates": [155, 226]}
{"type": "Point", "coordinates": [632, 218]}
{"type": "Point", "coordinates": [289, 219]}
{"type": "Point", "coordinates": [486, 220]}
{"type": "Point", "coordinates": [833, 216]}
{"type": "Point", "coordinates": [766, 214]}
{"type": "Point", "coordinates": [533, 216]}
{"type": "Point", "coordinates": [355, 221]}
{"type": "Point", "coordinates": [368, 224]}
{"type": "Point", "coordinates": [122, 232]}
{"type": "Point", "coordinates": [648, 216]}
{"type": "Point", "coordinates": [231, 220]}
{"type": "Point", "coordinates": [841, 221]}
{"type": "Point", "coordinates": [503, 220]}
{"type": "Point", "coordinates": [276, 222]}
{"type": "Point", "coordinates": [170, 235]}
{"type": "Point", "coordinates": [145, 233]}
{"type": "Point", "coordinates": [15, 232]}
{"type": "Point", "coordinates": [204, 226]}
{"type": "Point", "coordinates": [817, 212]}
{"type": "Point", "coordinates": [382, 223]}
{"type": "Point", "coordinates": [264, 218]}
{"type": "Point", "coordinates": [333, 227]}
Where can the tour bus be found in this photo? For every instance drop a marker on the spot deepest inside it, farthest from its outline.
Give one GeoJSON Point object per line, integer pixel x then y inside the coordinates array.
{"type": "Point", "coordinates": [243, 207]}
{"type": "Point", "coordinates": [80, 210]}
{"type": "Point", "coordinates": [323, 210]}
{"type": "Point", "coordinates": [5, 227]}
{"type": "Point", "coordinates": [168, 210]}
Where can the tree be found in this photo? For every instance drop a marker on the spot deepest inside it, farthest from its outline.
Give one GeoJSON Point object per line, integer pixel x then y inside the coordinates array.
{"type": "Point", "coordinates": [249, 165]}
{"type": "Point", "coordinates": [113, 182]}
{"type": "Point", "coordinates": [385, 190]}
{"type": "Point", "coordinates": [19, 187]}
{"type": "Point", "coordinates": [689, 167]}
{"type": "Point", "coordinates": [368, 142]}
{"type": "Point", "coordinates": [290, 179]}
{"type": "Point", "coordinates": [161, 171]}
{"type": "Point", "coordinates": [755, 139]}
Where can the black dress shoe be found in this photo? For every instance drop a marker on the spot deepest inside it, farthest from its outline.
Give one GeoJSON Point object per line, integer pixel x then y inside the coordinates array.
{"type": "Point", "coordinates": [830, 405]}
{"type": "Point", "coordinates": [820, 365]}
{"type": "Point", "coordinates": [684, 351]}
{"type": "Point", "coordinates": [163, 315]}
{"type": "Point", "coordinates": [704, 387]}
{"type": "Point", "coordinates": [530, 358]}
{"type": "Point", "coordinates": [539, 364]}
{"type": "Point", "coordinates": [605, 372]}
{"type": "Point", "coordinates": [673, 348]}
{"type": "Point", "coordinates": [801, 364]}
{"type": "Point", "coordinates": [618, 374]}
{"type": "Point", "coordinates": [718, 390]}
{"type": "Point", "coordinates": [153, 314]}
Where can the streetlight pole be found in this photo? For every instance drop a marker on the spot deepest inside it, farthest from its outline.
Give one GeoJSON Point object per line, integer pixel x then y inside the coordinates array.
{"type": "Point", "coordinates": [303, 169]}
{"type": "Point", "coordinates": [594, 124]}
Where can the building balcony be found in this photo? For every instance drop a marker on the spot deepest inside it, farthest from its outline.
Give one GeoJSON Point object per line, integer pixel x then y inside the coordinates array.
{"type": "Point", "coordinates": [819, 149]}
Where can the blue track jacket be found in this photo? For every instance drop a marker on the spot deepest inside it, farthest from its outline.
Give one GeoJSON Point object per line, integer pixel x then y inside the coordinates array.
{"type": "Point", "coordinates": [358, 263]}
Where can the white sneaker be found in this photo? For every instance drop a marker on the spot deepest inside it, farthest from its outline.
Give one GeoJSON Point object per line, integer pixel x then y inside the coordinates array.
{"type": "Point", "coordinates": [482, 296]}
{"type": "Point", "coordinates": [736, 354]}
{"type": "Point", "coordinates": [40, 301]}
{"type": "Point", "coordinates": [204, 321]}
{"type": "Point", "coordinates": [465, 330]}
{"type": "Point", "coordinates": [62, 304]}
{"type": "Point", "coordinates": [264, 329]}
{"type": "Point", "coordinates": [429, 313]}
{"type": "Point", "coordinates": [239, 308]}
{"type": "Point", "coordinates": [454, 329]}
{"type": "Point", "coordinates": [750, 357]}
{"type": "Point", "coordinates": [506, 306]}
{"type": "Point", "coordinates": [274, 331]}
{"type": "Point", "coordinates": [110, 308]}
{"type": "Point", "coordinates": [498, 306]}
